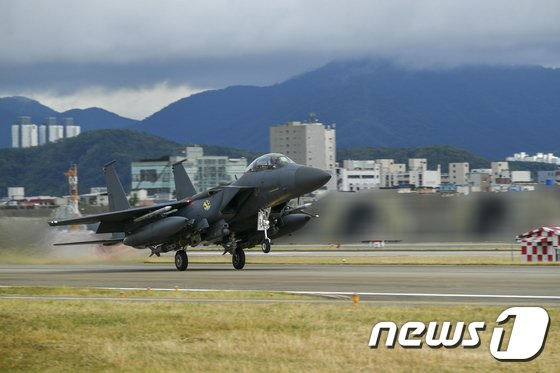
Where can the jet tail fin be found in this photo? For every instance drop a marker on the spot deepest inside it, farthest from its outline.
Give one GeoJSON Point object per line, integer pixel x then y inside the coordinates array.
{"type": "Point", "coordinates": [183, 185]}
{"type": "Point", "coordinates": [117, 197]}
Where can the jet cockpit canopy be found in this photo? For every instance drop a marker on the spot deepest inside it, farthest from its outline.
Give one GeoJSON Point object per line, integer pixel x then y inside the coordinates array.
{"type": "Point", "coordinates": [268, 161]}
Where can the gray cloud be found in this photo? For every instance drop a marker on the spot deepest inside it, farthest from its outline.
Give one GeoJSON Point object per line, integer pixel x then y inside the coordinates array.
{"type": "Point", "coordinates": [127, 31]}
{"type": "Point", "coordinates": [65, 45]}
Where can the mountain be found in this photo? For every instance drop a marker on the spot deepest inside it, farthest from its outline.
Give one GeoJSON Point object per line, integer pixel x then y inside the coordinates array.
{"type": "Point", "coordinates": [488, 110]}
{"type": "Point", "coordinates": [41, 169]}
{"type": "Point", "coordinates": [89, 119]}
{"type": "Point", "coordinates": [96, 118]}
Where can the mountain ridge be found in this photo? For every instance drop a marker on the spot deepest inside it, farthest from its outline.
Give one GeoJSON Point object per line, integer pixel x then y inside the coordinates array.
{"type": "Point", "coordinates": [489, 110]}
{"type": "Point", "coordinates": [485, 109]}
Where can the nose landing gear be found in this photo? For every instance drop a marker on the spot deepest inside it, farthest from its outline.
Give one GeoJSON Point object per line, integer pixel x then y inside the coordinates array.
{"type": "Point", "coordinates": [265, 246]}
{"type": "Point", "coordinates": [263, 224]}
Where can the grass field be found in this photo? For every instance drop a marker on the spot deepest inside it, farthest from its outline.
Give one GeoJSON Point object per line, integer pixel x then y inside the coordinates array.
{"type": "Point", "coordinates": [48, 291]}
{"type": "Point", "coordinates": [72, 336]}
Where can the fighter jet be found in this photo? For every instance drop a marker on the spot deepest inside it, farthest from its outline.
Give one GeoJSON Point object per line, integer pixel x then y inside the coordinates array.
{"type": "Point", "coordinates": [248, 212]}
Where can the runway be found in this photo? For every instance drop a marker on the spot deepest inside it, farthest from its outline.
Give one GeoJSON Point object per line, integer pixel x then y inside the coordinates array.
{"type": "Point", "coordinates": [384, 283]}
{"type": "Point", "coordinates": [370, 253]}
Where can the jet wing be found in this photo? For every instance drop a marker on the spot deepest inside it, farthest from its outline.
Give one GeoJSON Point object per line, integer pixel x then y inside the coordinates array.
{"type": "Point", "coordinates": [107, 242]}
{"type": "Point", "coordinates": [115, 219]}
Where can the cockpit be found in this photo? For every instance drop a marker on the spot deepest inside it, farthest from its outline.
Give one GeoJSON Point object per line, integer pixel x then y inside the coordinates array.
{"type": "Point", "coordinates": [268, 162]}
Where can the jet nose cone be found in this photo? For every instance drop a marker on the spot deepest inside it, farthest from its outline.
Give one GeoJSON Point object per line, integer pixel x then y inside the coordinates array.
{"type": "Point", "coordinates": [308, 179]}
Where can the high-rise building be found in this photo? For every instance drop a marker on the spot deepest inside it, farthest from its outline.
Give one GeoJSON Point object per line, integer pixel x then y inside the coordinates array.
{"type": "Point", "coordinates": [15, 136]}
{"type": "Point", "coordinates": [56, 132]}
{"type": "Point", "coordinates": [26, 134]}
{"type": "Point", "coordinates": [29, 135]}
{"type": "Point", "coordinates": [312, 144]}
{"type": "Point", "coordinates": [42, 134]}
{"type": "Point", "coordinates": [71, 130]}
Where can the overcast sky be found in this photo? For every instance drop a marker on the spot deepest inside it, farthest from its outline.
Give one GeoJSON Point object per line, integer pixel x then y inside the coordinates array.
{"type": "Point", "coordinates": [135, 57]}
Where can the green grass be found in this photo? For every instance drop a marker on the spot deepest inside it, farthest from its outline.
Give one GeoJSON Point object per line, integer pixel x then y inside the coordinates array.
{"type": "Point", "coordinates": [70, 336]}
{"type": "Point", "coordinates": [46, 291]}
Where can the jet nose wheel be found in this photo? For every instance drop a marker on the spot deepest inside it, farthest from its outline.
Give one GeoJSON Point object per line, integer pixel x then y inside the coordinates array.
{"type": "Point", "coordinates": [181, 260]}
{"type": "Point", "coordinates": [265, 246]}
{"type": "Point", "coordinates": [238, 259]}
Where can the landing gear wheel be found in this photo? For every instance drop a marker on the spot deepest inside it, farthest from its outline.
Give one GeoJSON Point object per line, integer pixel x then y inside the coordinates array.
{"type": "Point", "coordinates": [265, 246]}
{"type": "Point", "coordinates": [181, 260]}
{"type": "Point", "coordinates": [238, 259]}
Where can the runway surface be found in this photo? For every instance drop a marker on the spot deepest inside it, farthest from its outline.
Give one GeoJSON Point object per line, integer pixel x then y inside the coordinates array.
{"type": "Point", "coordinates": [394, 283]}
{"type": "Point", "coordinates": [371, 253]}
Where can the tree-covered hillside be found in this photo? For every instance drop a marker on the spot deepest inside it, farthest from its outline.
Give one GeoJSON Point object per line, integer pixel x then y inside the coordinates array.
{"type": "Point", "coordinates": [41, 169]}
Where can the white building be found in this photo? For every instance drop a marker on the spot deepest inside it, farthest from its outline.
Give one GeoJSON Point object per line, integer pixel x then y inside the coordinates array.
{"type": "Point", "coordinates": [26, 134]}
{"type": "Point", "coordinates": [71, 130]}
{"type": "Point", "coordinates": [29, 135]}
{"type": "Point", "coordinates": [425, 179]}
{"type": "Point", "coordinates": [538, 157]}
{"type": "Point", "coordinates": [417, 164]}
{"type": "Point", "coordinates": [392, 174]}
{"type": "Point", "coordinates": [15, 136]}
{"type": "Point", "coordinates": [56, 132]}
{"type": "Point", "coordinates": [358, 175]}
{"type": "Point", "coordinates": [312, 144]}
{"type": "Point", "coordinates": [521, 177]}
{"type": "Point", "coordinates": [500, 170]}
{"type": "Point", "coordinates": [97, 196]}
{"type": "Point", "coordinates": [42, 134]}
{"type": "Point", "coordinates": [16, 193]}
{"type": "Point", "coordinates": [459, 173]}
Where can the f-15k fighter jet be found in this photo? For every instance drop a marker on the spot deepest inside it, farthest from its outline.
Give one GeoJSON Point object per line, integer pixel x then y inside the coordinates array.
{"type": "Point", "coordinates": [246, 213]}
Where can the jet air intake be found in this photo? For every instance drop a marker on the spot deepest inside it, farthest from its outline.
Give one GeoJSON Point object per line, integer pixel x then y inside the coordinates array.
{"type": "Point", "coordinates": [157, 231]}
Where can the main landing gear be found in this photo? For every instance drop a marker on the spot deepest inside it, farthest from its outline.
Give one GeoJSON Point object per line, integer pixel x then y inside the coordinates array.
{"type": "Point", "coordinates": [238, 258]}
{"type": "Point", "coordinates": [181, 260]}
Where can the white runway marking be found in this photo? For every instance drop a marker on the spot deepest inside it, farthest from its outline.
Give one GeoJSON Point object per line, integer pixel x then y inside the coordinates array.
{"type": "Point", "coordinates": [440, 295]}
